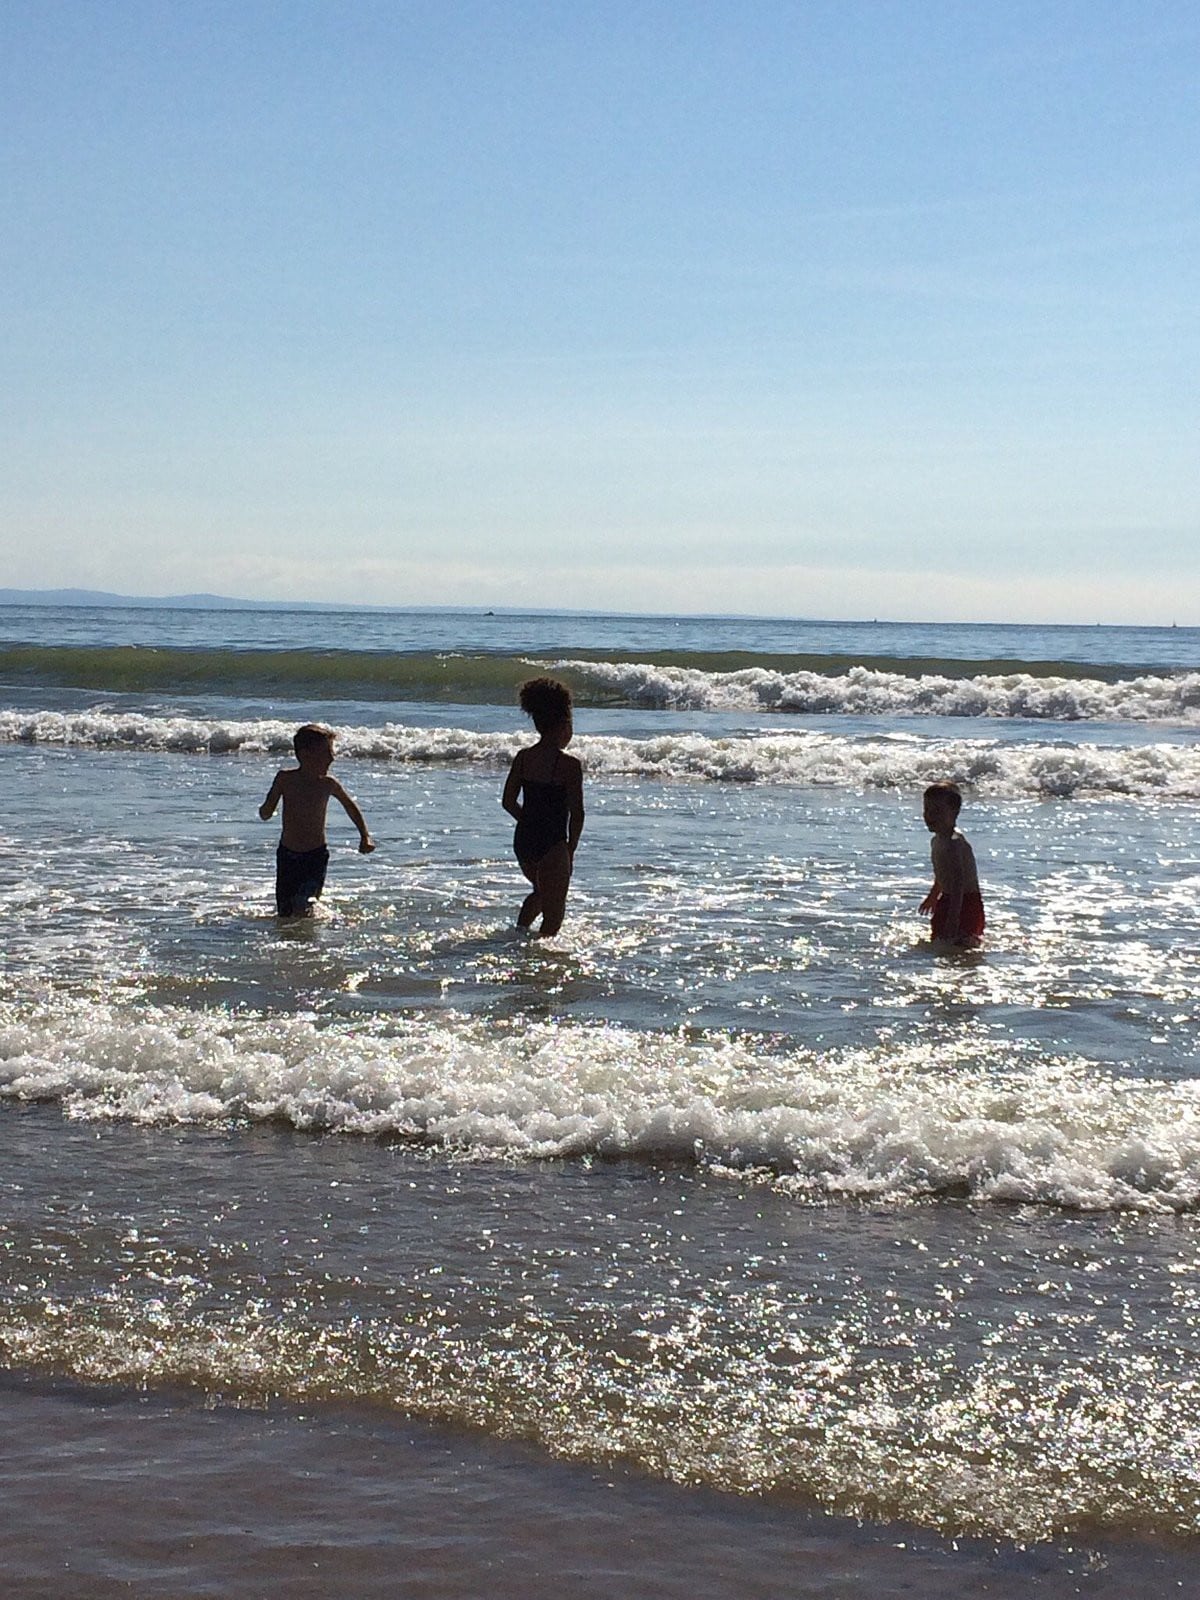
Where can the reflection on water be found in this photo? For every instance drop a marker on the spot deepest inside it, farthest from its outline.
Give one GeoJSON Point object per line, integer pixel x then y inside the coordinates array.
{"type": "Point", "coordinates": [770, 911]}
{"type": "Point", "coordinates": [967, 1368]}
{"type": "Point", "coordinates": [738, 1182]}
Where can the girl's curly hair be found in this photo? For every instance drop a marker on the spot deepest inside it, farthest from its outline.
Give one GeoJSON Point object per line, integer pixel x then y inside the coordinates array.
{"type": "Point", "coordinates": [546, 700]}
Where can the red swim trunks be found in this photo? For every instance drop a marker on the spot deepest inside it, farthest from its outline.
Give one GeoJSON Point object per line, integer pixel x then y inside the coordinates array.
{"type": "Point", "coordinates": [970, 921]}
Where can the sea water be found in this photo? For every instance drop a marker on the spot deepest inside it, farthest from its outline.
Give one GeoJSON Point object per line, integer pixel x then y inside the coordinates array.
{"type": "Point", "coordinates": [737, 1185]}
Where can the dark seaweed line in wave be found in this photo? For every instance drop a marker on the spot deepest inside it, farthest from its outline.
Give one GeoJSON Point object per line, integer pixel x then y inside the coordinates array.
{"type": "Point", "coordinates": [484, 679]}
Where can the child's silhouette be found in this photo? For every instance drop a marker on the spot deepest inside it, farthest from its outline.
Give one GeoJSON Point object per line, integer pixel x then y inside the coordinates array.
{"type": "Point", "coordinates": [306, 790]}
{"type": "Point", "coordinates": [544, 792]}
{"type": "Point", "coordinates": [954, 903]}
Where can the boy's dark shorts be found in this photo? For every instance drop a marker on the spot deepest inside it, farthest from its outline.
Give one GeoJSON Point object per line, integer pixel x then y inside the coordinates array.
{"type": "Point", "coordinates": [299, 879]}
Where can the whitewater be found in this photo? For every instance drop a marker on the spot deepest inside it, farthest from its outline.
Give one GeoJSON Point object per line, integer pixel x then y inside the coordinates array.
{"type": "Point", "coordinates": [738, 1185]}
{"type": "Point", "coordinates": [888, 761]}
{"type": "Point", "coordinates": [965, 1119]}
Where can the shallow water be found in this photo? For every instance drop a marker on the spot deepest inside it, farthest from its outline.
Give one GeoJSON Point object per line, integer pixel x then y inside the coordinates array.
{"type": "Point", "coordinates": [739, 1185]}
{"type": "Point", "coordinates": [358, 1504]}
{"type": "Point", "coordinates": [975, 1368]}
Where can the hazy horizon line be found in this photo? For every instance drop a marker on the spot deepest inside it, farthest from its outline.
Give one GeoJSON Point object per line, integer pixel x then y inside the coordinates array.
{"type": "Point", "coordinates": [112, 600]}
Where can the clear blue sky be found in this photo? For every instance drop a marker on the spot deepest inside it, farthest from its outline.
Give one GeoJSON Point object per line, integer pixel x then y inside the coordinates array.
{"type": "Point", "coordinates": [830, 308]}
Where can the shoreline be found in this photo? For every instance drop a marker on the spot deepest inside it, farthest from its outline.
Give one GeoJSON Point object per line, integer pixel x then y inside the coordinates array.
{"type": "Point", "coordinates": [143, 1492]}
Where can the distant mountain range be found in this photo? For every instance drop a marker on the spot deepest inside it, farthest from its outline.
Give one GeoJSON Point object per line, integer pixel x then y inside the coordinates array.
{"type": "Point", "coordinates": [196, 602]}
{"type": "Point", "coordinates": [221, 602]}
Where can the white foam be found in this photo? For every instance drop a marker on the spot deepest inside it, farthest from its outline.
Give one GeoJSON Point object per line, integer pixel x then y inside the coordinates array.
{"type": "Point", "coordinates": [975, 1118]}
{"type": "Point", "coordinates": [129, 730]}
{"type": "Point", "coordinates": [865, 691]}
{"type": "Point", "coordinates": [991, 767]}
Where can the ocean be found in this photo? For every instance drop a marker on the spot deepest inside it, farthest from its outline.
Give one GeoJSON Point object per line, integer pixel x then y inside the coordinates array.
{"type": "Point", "coordinates": [735, 1242]}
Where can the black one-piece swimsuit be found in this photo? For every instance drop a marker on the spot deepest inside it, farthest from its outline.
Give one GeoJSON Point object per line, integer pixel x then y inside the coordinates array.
{"type": "Point", "coordinates": [544, 817]}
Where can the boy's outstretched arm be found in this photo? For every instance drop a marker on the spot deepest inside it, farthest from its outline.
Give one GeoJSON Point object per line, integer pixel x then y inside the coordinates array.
{"type": "Point", "coordinates": [365, 842]}
{"type": "Point", "coordinates": [274, 794]}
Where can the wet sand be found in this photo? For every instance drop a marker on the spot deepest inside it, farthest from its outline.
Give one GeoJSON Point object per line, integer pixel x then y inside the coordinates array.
{"type": "Point", "coordinates": [114, 1493]}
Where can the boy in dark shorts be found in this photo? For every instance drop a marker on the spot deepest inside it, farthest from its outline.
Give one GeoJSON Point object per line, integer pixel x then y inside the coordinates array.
{"type": "Point", "coordinates": [954, 904]}
{"type": "Point", "coordinates": [302, 857]}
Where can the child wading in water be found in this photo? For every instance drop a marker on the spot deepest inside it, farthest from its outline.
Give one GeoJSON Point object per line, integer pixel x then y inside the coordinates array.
{"type": "Point", "coordinates": [306, 790]}
{"type": "Point", "coordinates": [954, 903]}
{"type": "Point", "coordinates": [544, 792]}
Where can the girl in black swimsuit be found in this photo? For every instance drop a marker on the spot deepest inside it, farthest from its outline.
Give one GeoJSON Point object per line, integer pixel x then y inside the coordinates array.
{"type": "Point", "coordinates": [544, 792]}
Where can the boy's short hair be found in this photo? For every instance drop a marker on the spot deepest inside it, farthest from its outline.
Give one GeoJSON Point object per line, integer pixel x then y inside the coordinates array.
{"type": "Point", "coordinates": [546, 700]}
{"type": "Point", "coordinates": [947, 792]}
{"type": "Point", "coordinates": [311, 735]}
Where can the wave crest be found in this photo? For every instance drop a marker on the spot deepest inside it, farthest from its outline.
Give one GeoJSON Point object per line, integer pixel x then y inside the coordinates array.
{"type": "Point", "coordinates": [972, 1117]}
{"type": "Point", "coordinates": [990, 767]}
{"type": "Point", "coordinates": [865, 691]}
{"type": "Point", "coordinates": [811, 684]}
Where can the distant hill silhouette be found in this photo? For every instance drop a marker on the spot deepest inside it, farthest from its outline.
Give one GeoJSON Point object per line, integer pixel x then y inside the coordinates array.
{"type": "Point", "coordinates": [221, 602]}
{"type": "Point", "coordinates": [193, 602]}
{"type": "Point", "coordinates": [101, 597]}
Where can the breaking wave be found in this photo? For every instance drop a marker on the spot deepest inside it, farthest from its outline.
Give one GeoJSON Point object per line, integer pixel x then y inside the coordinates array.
{"type": "Point", "coordinates": [695, 680]}
{"type": "Point", "coordinates": [866, 691]}
{"type": "Point", "coordinates": [990, 767]}
{"type": "Point", "coordinates": [968, 1118]}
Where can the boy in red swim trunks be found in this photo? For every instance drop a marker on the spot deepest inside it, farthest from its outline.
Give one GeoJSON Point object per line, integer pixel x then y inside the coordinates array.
{"type": "Point", "coordinates": [954, 903]}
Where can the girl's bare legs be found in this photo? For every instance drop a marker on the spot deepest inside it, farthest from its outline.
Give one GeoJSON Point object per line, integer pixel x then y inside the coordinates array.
{"type": "Point", "coordinates": [531, 906]}
{"type": "Point", "coordinates": [553, 879]}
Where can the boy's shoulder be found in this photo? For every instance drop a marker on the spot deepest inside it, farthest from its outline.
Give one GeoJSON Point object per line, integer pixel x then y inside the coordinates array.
{"type": "Point", "coordinates": [296, 777]}
{"type": "Point", "coordinates": [958, 847]}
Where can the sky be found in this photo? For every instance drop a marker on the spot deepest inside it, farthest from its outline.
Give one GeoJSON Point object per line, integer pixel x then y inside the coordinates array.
{"type": "Point", "coordinates": [830, 308]}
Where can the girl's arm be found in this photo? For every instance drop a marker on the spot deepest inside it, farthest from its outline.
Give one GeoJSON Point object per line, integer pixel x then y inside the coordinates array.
{"type": "Point", "coordinates": [512, 788]}
{"type": "Point", "coordinates": [575, 808]}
